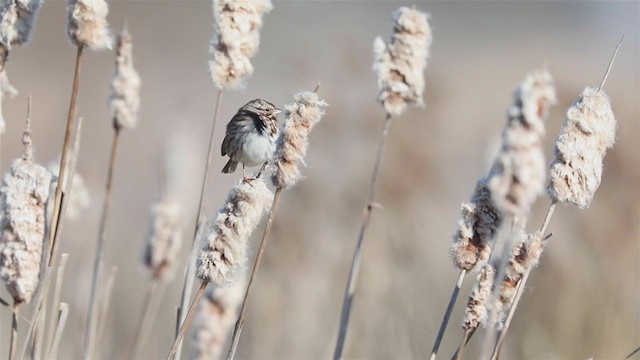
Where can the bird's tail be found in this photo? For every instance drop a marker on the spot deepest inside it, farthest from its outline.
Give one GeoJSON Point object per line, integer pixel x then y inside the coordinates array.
{"type": "Point", "coordinates": [230, 167]}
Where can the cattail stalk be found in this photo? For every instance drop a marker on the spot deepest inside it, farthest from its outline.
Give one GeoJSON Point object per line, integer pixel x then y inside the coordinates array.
{"type": "Point", "coordinates": [105, 307]}
{"type": "Point", "coordinates": [302, 116]}
{"type": "Point", "coordinates": [189, 276]}
{"type": "Point", "coordinates": [577, 196]}
{"type": "Point", "coordinates": [55, 304]}
{"type": "Point", "coordinates": [59, 329]}
{"type": "Point", "coordinates": [233, 43]}
{"type": "Point", "coordinates": [124, 104]}
{"type": "Point", "coordinates": [224, 246]}
{"type": "Point", "coordinates": [399, 66]}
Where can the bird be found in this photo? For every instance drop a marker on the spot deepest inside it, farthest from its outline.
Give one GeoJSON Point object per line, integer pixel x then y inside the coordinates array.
{"type": "Point", "coordinates": [251, 136]}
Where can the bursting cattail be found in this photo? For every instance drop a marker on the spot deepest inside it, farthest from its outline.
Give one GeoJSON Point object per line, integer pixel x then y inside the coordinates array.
{"type": "Point", "coordinates": [518, 173]}
{"type": "Point", "coordinates": [124, 101]}
{"type": "Point", "coordinates": [224, 249]}
{"type": "Point", "coordinates": [477, 227]}
{"type": "Point", "coordinates": [216, 315]}
{"type": "Point", "coordinates": [5, 89]}
{"type": "Point", "coordinates": [17, 20]}
{"type": "Point", "coordinates": [164, 239]}
{"type": "Point", "coordinates": [306, 111]}
{"type": "Point", "coordinates": [23, 196]}
{"type": "Point", "coordinates": [87, 24]}
{"type": "Point", "coordinates": [525, 254]}
{"type": "Point", "coordinates": [476, 312]}
{"type": "Point", "coordinates": [235, 40]}
{"type": "Point", "coordinates": [588, 131]}
{"type": "Point", "coordinates": [400, 64]}
{"type": "Point", "coordinates": [79, 200]}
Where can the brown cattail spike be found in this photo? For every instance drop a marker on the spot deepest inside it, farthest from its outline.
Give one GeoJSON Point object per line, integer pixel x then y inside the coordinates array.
{"type": "Point", "coordinates": [124, 101]}
{"type": "Point", "coordinates": [165, 239]}
{"type": "Point", "coordinates": [87, 24]}
{"type": "Point", "coordinates": [478, 225]}
{"type": "Point", "coordinates": [518, 172]}
{"type": "Point", "coordinates": [524, 255]}
{"type": "Point", "coordinates": [588, 131]}
{"type": "Point", "coordinates": [224, 248]}
{"type": "Point", "coordinates": [236, 39]}
{"type": "Point", "coordinates": [400, 64]}
{"type": "Point", "coordinates": [23, 195]}
{"type": "Point", "coordinates": [17, 20]}
{"type": "Point", "coordinates": [306, 111]}
{"type": "Point", "coordinates": [476, 311]}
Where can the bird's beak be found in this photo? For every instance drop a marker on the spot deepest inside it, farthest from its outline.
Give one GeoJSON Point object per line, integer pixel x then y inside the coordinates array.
{"type": "Point", "coordinates": [278, 111]}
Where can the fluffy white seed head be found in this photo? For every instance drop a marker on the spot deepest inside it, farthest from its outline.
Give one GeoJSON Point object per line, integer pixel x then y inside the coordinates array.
{"type": "Point", "coordinates": [17, 20]}
{"type": "Point", "coordinates": [235, 40]}
{"type": "Point", "coordinates": [524, 254]}
{"type": "Point", "coordinates": [5, 89]}
{"type": "Point", "coordinates": [124, 100]}
{"type": "Point", "coordinates": [400, 64]}
{"type": "Point", "coordinates": [477, 227]}
{"type": "Point", "coordinates": [164, 239]}
{"type": "Point", "coordinates": [224, 248]}
{"type": "Point", "coordinates": [518, 173]}
{"type": "Point", "coordinates": [23, 196]}
{"type": "Point", "coordinates": [588, 131]}
{"type": "Point", "coordinates": [217, 313]}
{"type": "Point", "coordinates": [79, 200]}
{"type": "Point", "coordinates": [87, 24]}
{"type": "Point", "coordinates": [476, 311]}
{"type": "Point", "coordinates": [305, 112]}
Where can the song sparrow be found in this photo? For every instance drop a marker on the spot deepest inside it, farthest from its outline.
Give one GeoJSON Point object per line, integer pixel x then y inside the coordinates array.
{"type": "Point", "coordinates": [251, 136]}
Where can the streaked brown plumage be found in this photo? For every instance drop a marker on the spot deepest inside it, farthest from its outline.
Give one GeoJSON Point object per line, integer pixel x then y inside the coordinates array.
{"type": "Point", "coordinates": [251, 135]}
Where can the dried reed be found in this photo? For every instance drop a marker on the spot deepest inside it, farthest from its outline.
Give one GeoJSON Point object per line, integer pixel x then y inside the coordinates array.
{"type": "Point", "coordinates": [399, 66]}
{"type": "Point", "coordinates": [301, 117]}
{"type": "Point", "coordinates": [234, 41]}
{"type": "Point", "coordinates": [124, 103]}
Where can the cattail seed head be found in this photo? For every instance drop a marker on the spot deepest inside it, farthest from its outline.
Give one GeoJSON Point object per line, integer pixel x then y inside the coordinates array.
{"type": "Point", "coordinates": [79, 200]}
{"type": "Point", "coordinates": [400, 64]}
{"type": "Point", "coordinates": [5, 89]}
{"type": "Point", "coordinates": [224, 248]}
{"type": "Point", "coordinates": [524, 254]}
{"type": "Point", "coordinates": [477, 227]}
{"type": "Point", "coordinates": [124, 101]}
{"type": "Point", "coordinates": [216, 315]}
{"type": "Point", "coordinates": [305, 112]}
{"type": "Point", "coordinates": [87, 24]}
{"type": "Point", "coordinates": [17, 20]}
{"type": "Point", "coordinates": [23, 196]}
{"type": "Point", "coordinates": [164, 239]}
{"type": "Point", "coordinates": [476, 311]}
{"type": "Point", "coordinates": [236, 39]}
{"type": "Point", "coordinates": [518, 173]}
{"type": "Point", "coordinates": [588, 131]}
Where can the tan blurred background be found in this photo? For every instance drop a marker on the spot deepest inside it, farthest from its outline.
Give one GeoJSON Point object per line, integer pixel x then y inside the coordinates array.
{"type": "Point", "coordinates": [583, 300]}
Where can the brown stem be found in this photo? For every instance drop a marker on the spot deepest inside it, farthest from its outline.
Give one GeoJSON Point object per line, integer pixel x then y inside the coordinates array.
{"type": "Point", "coordinates": [520, 288]}
{"type": "Point", "coordinates": [237, 330]}
{"type": "Point", "coordinates": [356, 263]}
{"type": "Point", "coordinates": [14, 331]}
{"type": "Point", "coordinates": [55, 305]}
{"type": "Point", "coordinates": [105, 308]}
{"type": "Point", "coordinates": [91, 326]}
{"type": "Point", "coordinates": [57, 204]}
{"type": "Point", "coordinates": [189, 276]}
{"type": "Point", "coordinates": [447, 314]}
{"type": "Point", "coordinates": [188, 319]}
{"type": "Point", "coordinates": [138, 340]}
{"type": "Point", "coordinates": [468, 333]}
